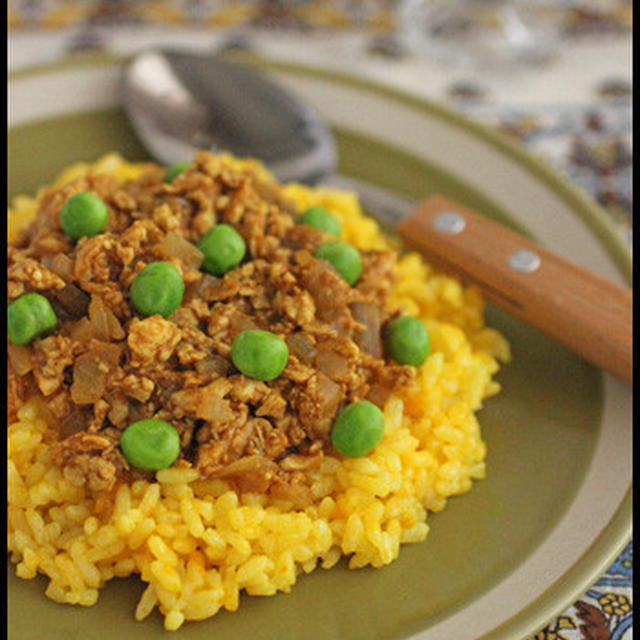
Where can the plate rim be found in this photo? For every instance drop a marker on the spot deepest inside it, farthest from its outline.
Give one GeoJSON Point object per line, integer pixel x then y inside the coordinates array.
{"type": "Point", "coordinates": [616, 533]}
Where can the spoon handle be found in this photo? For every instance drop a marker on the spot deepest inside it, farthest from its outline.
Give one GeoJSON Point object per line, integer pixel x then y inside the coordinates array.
{"type": "Point", "coordinates": [583, 311]}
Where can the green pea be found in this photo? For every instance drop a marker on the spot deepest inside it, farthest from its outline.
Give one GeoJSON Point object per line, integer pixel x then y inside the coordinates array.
{"type": "Point", "coordinates": [223, 249]}
{"type": "Point", "coordinates": [258, 354]}
{"type": "Point", "coordinates": [158, 288]}
{"type": "Point", "coordinates": [28, 316]}
{"type": "Point", "coordinates": [320, 218]}
{"type": "Point", "coordinates": [150, 444]}
{"type": "Point", "coordinates": [407, 340]}
{"type": "Point", "coordinates": [83, 214]}
{"type": "Point", "coordinates": [358, 429]}
{"type": "Point", "coordinates": [345, 259]}
{"type": "Point", "coordinates": [175, 170]}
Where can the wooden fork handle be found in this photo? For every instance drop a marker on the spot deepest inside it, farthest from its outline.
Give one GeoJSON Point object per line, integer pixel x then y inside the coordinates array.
{"type": "Point", "coordinates": [583, 311]}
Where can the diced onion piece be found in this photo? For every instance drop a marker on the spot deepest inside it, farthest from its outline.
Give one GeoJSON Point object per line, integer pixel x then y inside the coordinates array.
{"type": "Point", "coordinates": [175, 245]}
{"type": "Point", "coordinates": [250, 473]}
{"type": "Point", "coordinates": [88, 380]}
{"type": "Point", "coordinates": [60, 264]}
{"type": "Point", "coordinates": [81, 331]}
{"type": "Point", "coordinates": [213, 408]}
{"type": "Point", "coordinates": [301, 346]}
{"type": "Point", "coordinates": [298, 462]}
{"type": "Point", "coordinates": [297, 493]}
{"type": "Point", "coordinates": [20, 358]}
{"type": "Point", "coordinates": [328, 396]}
{"type": "Point", "coordinates": [368, 339]}
{"type": "Point", "coordinates": [332, 364]}
{"type": "Point", "coordinates": [206, 403]}
{"type": "Point", "coordinates": [240, 322]}
{"type": "Point", "coordinates": [378, 394]}
{"type": "Point", "coordinates": [107, 352]}
{"type": "Point", "coordinates": [104, 323]}
{"type": "Point", "coordinates": [206, 281]}
{"type": "Point", "coordinates": [213, 365]}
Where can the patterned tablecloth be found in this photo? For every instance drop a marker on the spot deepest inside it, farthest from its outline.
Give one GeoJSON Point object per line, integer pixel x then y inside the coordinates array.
{"type": "Point", "coordinates": [575, 113]}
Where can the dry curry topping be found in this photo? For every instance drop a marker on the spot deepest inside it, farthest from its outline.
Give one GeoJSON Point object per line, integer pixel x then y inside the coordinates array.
{"type": "Point", "coordinates": [121, 353]}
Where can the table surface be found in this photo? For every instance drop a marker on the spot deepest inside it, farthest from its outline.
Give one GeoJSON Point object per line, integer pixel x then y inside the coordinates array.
{"type": "Point", "coordinates": [574, 113]}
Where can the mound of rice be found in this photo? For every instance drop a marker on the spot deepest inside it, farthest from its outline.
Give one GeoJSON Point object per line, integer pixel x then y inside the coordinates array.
{"type": "Point", "coordinates": [197, 543]}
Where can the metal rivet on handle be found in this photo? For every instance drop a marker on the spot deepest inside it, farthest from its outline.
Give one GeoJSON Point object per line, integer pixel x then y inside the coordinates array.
{"type": "Point", "coordinates": [524, 261]}
{"type": "Point", "coordinates": [449, 222]}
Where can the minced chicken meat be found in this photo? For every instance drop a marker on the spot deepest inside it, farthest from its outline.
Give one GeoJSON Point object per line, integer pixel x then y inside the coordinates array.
{"type": "Point", "coordinates": [104, 366]}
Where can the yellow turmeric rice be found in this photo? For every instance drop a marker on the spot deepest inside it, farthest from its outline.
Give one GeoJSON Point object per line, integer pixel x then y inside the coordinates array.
{"type": "Point", "coordinates": [196, 543]}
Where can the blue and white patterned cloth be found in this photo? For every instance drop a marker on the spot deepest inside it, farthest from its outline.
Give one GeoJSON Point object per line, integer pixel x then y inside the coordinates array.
{"type": "Point", "coordinates": [604, 612]}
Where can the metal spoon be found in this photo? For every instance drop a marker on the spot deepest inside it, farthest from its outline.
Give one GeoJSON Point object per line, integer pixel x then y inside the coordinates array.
{"type": "Point", "coordinates": [179, 102]}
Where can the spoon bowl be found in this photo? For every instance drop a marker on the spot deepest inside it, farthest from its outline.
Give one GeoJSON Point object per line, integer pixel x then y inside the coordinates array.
{"type": "Point", "coordinates": [181, 101]}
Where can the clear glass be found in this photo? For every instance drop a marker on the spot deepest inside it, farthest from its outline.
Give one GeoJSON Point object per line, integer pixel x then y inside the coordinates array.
{"type": "Point", "coordinates": [479, 34]}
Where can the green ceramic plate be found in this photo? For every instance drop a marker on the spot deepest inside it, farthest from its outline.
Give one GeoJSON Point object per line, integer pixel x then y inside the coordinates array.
{"type": "Point", "coordinates": [555, 507]}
